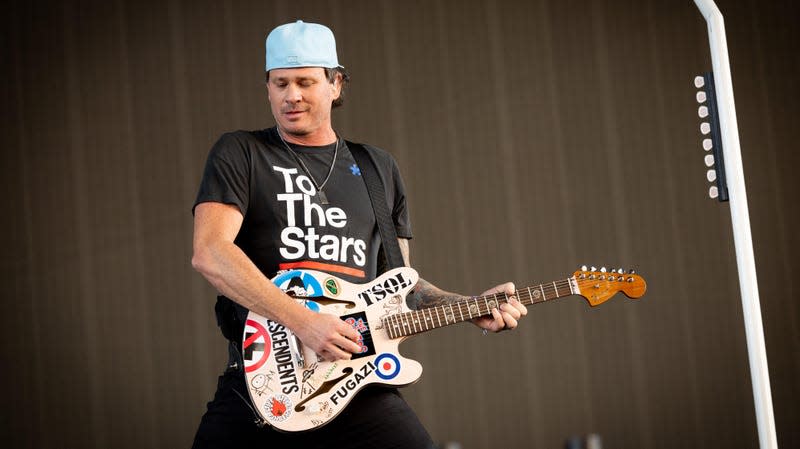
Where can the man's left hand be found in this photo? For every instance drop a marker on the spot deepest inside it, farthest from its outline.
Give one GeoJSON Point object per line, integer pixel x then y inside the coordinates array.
{"type": "Point", "coordinates": [507, 316]}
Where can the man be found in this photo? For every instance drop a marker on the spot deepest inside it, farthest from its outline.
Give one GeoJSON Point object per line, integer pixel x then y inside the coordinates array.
{"type": "Point", "coordinates": [292, 196]}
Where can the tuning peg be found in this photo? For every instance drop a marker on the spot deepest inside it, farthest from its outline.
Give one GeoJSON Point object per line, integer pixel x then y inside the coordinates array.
{"type": "Point", "coordinates": [709, 160]}
{"type": "Point", "coordinates": [702, 111]}
{"type": "Point", "coordinates": [711, 175]}
{"type": "Point", "coordinates": [603, 269]}
{"type": "Point", "coordinates": [705, 128]}
{"type": "Point", "coordinates": [620, 271]}
{"type": "Point", "coordinates": [707, 144]}
{"type": "Point", "coordinates": [713, 192]}
{"type": "Point", "coordinates": [583, 268]}
{"type": "Point", "coordinates": [631, 271]}
{"type": "Point", "coordinates": [593, 268]}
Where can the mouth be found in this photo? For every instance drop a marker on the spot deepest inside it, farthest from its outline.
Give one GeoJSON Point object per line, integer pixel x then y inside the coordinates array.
{"type": "Point", "coordinates": [293, 113]}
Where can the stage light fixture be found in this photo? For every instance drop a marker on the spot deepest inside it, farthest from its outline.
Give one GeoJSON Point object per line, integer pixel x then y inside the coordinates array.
{"type": "Point", "coordinates": [709, 127]}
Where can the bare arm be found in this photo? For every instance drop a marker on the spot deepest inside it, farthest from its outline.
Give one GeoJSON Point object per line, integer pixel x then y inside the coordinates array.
{"type": "Point", "coordinates": [234, 275]}
{"type": "Point", "coordinates": [427, 295]}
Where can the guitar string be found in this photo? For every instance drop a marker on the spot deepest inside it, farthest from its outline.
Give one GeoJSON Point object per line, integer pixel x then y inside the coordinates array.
{"type": "Point", "coordinates": [524, 293]}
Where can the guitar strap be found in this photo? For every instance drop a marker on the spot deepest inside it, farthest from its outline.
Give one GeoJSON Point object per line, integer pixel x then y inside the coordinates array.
{"type": "Point", "coordinates": [377, 195]}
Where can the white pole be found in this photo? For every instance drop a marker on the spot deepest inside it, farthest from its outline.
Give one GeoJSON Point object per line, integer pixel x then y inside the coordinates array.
{"type": "Point", "coordinates": [740, 217]}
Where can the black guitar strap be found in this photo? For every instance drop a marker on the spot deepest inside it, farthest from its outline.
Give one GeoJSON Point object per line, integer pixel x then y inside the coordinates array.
{"type": "Point", "coordinates": [377, 195]}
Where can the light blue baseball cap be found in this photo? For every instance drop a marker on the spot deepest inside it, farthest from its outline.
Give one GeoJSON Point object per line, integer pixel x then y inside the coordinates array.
{"type": "Point", "coordinates": [301, 44]}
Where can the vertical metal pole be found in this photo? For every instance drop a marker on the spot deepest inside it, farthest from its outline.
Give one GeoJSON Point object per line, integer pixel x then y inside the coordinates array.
{"type": "Point", "coordinates": [740, 217]}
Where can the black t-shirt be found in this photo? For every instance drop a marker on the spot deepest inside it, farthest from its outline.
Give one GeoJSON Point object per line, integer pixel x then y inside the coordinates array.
{"type": "Point", "coordinates": [285, 226]}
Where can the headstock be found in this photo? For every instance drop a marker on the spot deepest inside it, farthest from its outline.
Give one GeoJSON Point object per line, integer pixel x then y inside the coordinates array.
{"type": "Point", "coordinates": [599, 285]}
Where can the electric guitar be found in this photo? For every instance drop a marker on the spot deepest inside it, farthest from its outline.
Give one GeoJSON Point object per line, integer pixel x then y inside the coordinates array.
{"type": "Point", "coordinates": [295, 390]}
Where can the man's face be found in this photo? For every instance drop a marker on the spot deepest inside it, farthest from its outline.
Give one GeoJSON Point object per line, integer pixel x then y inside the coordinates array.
{"type": "Point", "coordinates": [301, 100]}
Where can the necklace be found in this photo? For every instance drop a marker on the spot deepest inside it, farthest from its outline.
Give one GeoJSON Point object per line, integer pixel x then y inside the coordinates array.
{"type": "Point", "coordinates": [323, 199]}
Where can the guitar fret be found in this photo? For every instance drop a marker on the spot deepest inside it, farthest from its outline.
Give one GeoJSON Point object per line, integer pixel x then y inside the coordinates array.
{"type": "Point", "coordinates": [427, 320]}
{"type": "Point", "coordinates": [430, 314]}
{"type": "Point", "coordinates": [459, 312]}
{"type": "Point", "coordinates": [541, 287]}
{"type": "Point", "coordinates": [452, 314]}
{"type": "Point", "coordinates": [388, 328]}
{"type": "Point", "coordinates": [556, 289]}
{"type": "Point", "coordinates": [530, 295]}
{"type": "Point", "coordinates": [438, 318]}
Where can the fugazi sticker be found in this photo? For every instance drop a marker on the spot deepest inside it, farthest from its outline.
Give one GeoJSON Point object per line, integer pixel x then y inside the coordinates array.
{"type": "Point", "coordinates": [352, 382]}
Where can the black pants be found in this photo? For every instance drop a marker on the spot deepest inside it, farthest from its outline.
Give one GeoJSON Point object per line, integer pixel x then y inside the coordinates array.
{"type": "Point", "coordinates": [376, 418]}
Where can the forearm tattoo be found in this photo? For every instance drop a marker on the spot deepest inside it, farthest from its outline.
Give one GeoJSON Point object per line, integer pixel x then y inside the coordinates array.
{"type": "Point", "coordinates": [427, 295]}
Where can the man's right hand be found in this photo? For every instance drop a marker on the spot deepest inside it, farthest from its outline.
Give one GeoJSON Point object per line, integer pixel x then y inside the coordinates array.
{"type": "Point", "coordinates": [329, 336]}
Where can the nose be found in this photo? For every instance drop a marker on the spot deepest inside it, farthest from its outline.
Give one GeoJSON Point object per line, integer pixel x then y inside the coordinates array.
{"type": "Point", "coordinates": [293, 94]}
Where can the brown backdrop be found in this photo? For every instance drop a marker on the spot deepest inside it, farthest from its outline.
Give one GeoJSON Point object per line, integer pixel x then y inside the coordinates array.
{"type": "Point", "coordinates": [534, 136]}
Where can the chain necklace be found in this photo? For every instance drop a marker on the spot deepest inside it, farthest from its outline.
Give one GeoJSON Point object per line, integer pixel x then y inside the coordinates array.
{"type": "Point", "coordinates": [323, 199]}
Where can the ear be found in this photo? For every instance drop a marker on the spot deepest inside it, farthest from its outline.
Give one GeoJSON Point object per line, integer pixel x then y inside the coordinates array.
{"type": "Point", "coordinates": [336, 86]}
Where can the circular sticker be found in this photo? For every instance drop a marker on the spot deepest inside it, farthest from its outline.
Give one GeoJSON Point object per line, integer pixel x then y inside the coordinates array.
{"type": "Point", "coordinates": [255, 347]}
{"type": "Point", "coordinates": [299, 283]}
{"type": "Point", "coordinates": [388, 366]}
{"type": "Point", "coordinates": [278, 408]}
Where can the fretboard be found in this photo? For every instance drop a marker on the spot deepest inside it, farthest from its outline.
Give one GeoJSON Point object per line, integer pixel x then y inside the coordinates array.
{"type": "Point", "coordinates": [417, 321]}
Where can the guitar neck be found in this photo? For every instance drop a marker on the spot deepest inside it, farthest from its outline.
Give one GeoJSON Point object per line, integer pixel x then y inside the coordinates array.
{"type": "Point", "coordinates": [418, 321]}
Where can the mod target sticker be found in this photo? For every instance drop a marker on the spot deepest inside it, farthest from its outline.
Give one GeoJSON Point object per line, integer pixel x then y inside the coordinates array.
{"type": "Point", "coordinates": [388, 366]}
{"type": "Point", "coordinates": [255, 347]}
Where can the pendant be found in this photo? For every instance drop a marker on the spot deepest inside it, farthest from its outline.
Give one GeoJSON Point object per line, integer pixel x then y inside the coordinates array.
{"type": "Point", "coordinates": [323, 199]}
